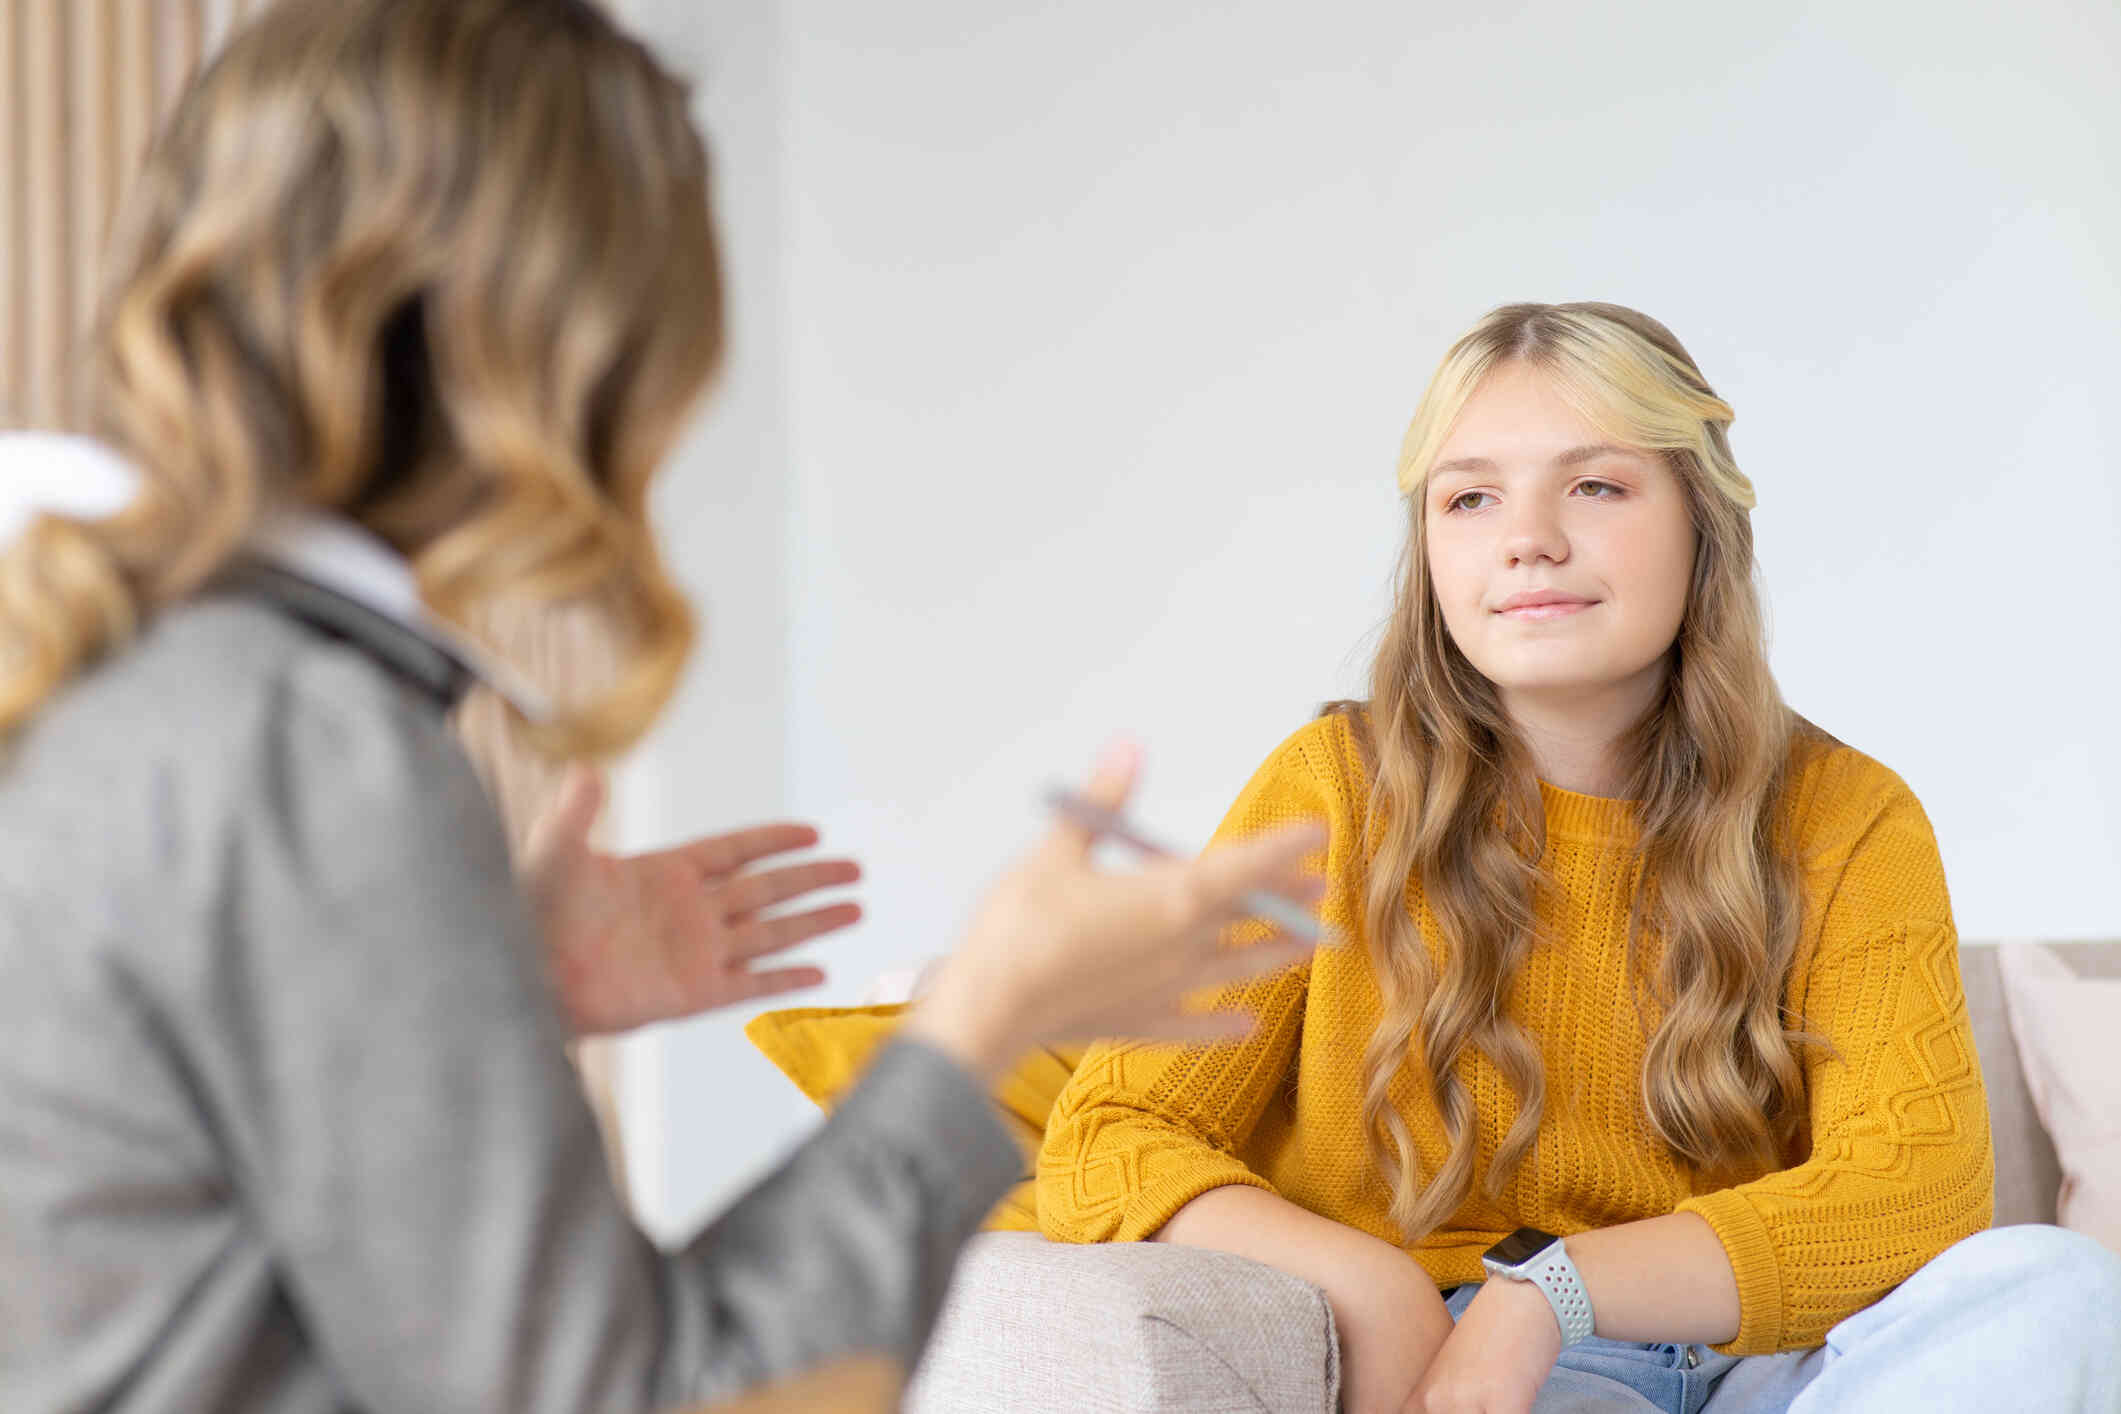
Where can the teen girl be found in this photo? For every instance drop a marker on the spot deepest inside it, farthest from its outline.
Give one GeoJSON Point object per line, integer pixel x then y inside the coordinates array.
{"type": "Point", "coordinates": [1649, 1084]}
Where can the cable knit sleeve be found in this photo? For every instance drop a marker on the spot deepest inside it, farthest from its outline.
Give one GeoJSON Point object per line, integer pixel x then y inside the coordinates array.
{"type": "Point", "coordinates": [1900, 1165]}
{"type": "Point", "coordinates": [1142, 1130]}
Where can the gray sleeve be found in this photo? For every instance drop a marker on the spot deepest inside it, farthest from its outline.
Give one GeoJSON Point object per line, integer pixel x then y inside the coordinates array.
{"type": "Point", "coordinates": [376, 1051]}
{"type": "Point", "coordinates": [850, 1243]}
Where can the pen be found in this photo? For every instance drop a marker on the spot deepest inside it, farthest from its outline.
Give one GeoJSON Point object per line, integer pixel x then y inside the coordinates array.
{"type": "Point", "coordinates": [1285, 915]}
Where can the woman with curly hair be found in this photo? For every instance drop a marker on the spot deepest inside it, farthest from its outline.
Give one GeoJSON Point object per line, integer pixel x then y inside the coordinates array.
{"type": "Point", "coordinates": [409, 304]}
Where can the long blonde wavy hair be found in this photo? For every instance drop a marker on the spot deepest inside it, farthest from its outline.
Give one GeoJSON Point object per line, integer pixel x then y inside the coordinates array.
{"type": "Point", "coordinates": [1454, 802]}
{"type": "Point", "coordinates": [445, 267]}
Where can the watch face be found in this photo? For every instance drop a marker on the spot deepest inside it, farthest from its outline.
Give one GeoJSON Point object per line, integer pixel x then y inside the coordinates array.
{"type": "Point", "coordinates": [1520, 1247]}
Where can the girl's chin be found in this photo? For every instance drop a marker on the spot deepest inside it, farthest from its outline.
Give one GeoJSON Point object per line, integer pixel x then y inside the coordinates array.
{"type": "Point", "coordinates": [1555, 687]}
{"type": "Point", "coordinates": [1552, 680]}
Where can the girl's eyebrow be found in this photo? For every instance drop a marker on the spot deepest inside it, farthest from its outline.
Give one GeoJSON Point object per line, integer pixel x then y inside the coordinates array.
{"type": "Point", "coordinates": [1574, 456]}
{"type": "Point", "coordinates": [1592, 452]}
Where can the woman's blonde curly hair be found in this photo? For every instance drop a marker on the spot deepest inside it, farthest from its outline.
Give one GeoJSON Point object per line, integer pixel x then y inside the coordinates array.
{"type": "Point", "coordinates": [445, 267]}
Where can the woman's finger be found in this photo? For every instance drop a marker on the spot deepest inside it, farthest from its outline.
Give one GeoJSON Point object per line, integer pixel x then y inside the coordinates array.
{"type": "Point", "coordinates": [1111, 783]}
{"type": "Point", "coordinates": [748, 893]}
{"type": "Point", "coordinates": [1253, 960]}
{"type": "Point", "coordinates": [1227, 872]}
{"type": "Point", "coordinates": [1212, 1027]}
{"type": "Point", "coordinates": [1300, 885]}
{"type": "Point", "coordinates": [1303, 894]}
{"type": "Point", "coordinates": [717, 855]}
{"type": "Point", "coordinates": [770, 935]}
{"type": "Point", "coordinates": [750, 986]}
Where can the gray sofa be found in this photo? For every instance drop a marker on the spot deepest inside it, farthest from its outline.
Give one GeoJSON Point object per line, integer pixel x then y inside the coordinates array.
{"type": "Point", "coordinates": [1033, 1325]}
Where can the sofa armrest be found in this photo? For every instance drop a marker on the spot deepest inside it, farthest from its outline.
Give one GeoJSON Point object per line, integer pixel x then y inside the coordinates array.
{"type": "Point", "coordinates": [1031, 1324]}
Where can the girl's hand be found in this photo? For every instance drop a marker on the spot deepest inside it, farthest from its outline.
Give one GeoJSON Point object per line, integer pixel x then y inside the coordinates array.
{"type": "Point", "coordinates": [1391, 1323]}
{"type": "Point", "coordinates": [1389, 1316]}
{"type": "Point", "coordinates": [1496, 1359]}
{"type": "Point", "coordinates": [1059, 951]}
{"type": "Point", "coordinates": [653, 937]}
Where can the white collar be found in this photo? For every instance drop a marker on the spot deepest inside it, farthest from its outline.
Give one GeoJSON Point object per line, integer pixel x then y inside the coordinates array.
{"type": "Point", "coordinates": [78, 476]}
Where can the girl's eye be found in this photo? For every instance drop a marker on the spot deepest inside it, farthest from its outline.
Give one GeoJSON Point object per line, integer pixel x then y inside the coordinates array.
{"type": "Point", "coordinates": [1463, 501]}
{"type": "Point", "coordinates": [1599, 490]}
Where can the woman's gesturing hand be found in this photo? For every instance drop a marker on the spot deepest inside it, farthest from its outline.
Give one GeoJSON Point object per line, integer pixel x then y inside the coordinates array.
{"type": "Point", "coordinates": [652, 937]}
{"type": "Point", "coordinates": [1061, 951]}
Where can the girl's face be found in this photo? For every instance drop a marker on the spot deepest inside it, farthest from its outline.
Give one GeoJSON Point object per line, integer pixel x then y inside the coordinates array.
{"type": "Point", "coordinates": [1561, 561]}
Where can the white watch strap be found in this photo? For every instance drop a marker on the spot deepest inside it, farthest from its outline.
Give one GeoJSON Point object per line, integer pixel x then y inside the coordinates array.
{"type": "Point", "coordinates": [1555, 1274]}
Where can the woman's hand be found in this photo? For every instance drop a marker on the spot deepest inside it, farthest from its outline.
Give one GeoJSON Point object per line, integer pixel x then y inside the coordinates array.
{"type": "Point", "coordinates": [1059, 951]}
{"type": "Point", "coordinates": [1496, 1359]}
{"type": "Point", "coordinates": [657, 936]}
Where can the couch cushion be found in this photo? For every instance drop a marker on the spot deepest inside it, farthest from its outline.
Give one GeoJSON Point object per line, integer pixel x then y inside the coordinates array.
{"type": "Point", "coordinates": [2027, 1173]}
{"type": "Point", "coordinates": [1125, 1327]}
{"type": "Point", "coordinates": [2067, 1047]}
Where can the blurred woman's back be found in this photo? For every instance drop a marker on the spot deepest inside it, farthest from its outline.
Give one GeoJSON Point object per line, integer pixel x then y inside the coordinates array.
{"type": "Point", "coordinates": [407, 305]}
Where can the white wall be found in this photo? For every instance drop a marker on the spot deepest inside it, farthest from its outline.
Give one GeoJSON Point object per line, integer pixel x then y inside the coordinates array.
{"type": "Point", "coordinates": [1089, 333]}
{"type": "Point", "coordinates": [699, 1104]}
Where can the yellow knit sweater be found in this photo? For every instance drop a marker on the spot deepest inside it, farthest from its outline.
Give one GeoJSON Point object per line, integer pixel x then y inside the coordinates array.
{"type": "Point", "coordinates": [1896, 1163]}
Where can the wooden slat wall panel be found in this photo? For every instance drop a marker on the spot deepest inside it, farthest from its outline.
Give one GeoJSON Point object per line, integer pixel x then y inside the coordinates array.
{"type": "Point", "coordinates": [82, 83]}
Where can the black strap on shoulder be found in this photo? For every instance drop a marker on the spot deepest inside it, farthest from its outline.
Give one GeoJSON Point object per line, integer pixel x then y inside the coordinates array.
{"type": "Point", "coordinates": [404, 652]}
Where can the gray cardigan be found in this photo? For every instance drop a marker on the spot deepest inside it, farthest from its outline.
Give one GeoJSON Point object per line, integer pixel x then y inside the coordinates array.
{"type": "Point", "coordinates": [285, 1122]}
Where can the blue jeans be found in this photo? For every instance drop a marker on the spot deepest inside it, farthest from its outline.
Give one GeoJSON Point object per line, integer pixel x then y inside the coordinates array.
{"type": "Point", "coordinates": [2015, 1318]}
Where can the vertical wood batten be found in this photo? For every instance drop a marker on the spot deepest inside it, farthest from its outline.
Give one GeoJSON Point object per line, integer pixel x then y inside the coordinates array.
{"type": "Point", "coordinates": [186, 44]}
{"type": "Point", "coordinates": [92, 178]}
{"type": "Point", "coordinates": [179, 35]}
{"type": "Point", "coordinates": [48, 295]}
{"type": "Point", "coordinates": [14, 257]}
{"type": "Point", "coordinates": [133, 66]}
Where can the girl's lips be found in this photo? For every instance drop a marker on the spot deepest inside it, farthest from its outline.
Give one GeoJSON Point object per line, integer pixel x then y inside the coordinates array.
{"type": "Point", "coordinates": [1556, 610]}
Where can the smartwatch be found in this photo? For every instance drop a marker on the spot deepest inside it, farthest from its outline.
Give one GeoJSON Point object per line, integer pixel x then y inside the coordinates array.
{"type": "Point", "coordinates": [1539, 1257]}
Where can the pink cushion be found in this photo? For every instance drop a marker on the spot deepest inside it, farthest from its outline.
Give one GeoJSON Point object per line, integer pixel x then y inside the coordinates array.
{"type": "Point", "coordinates": [2068, 1030]}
